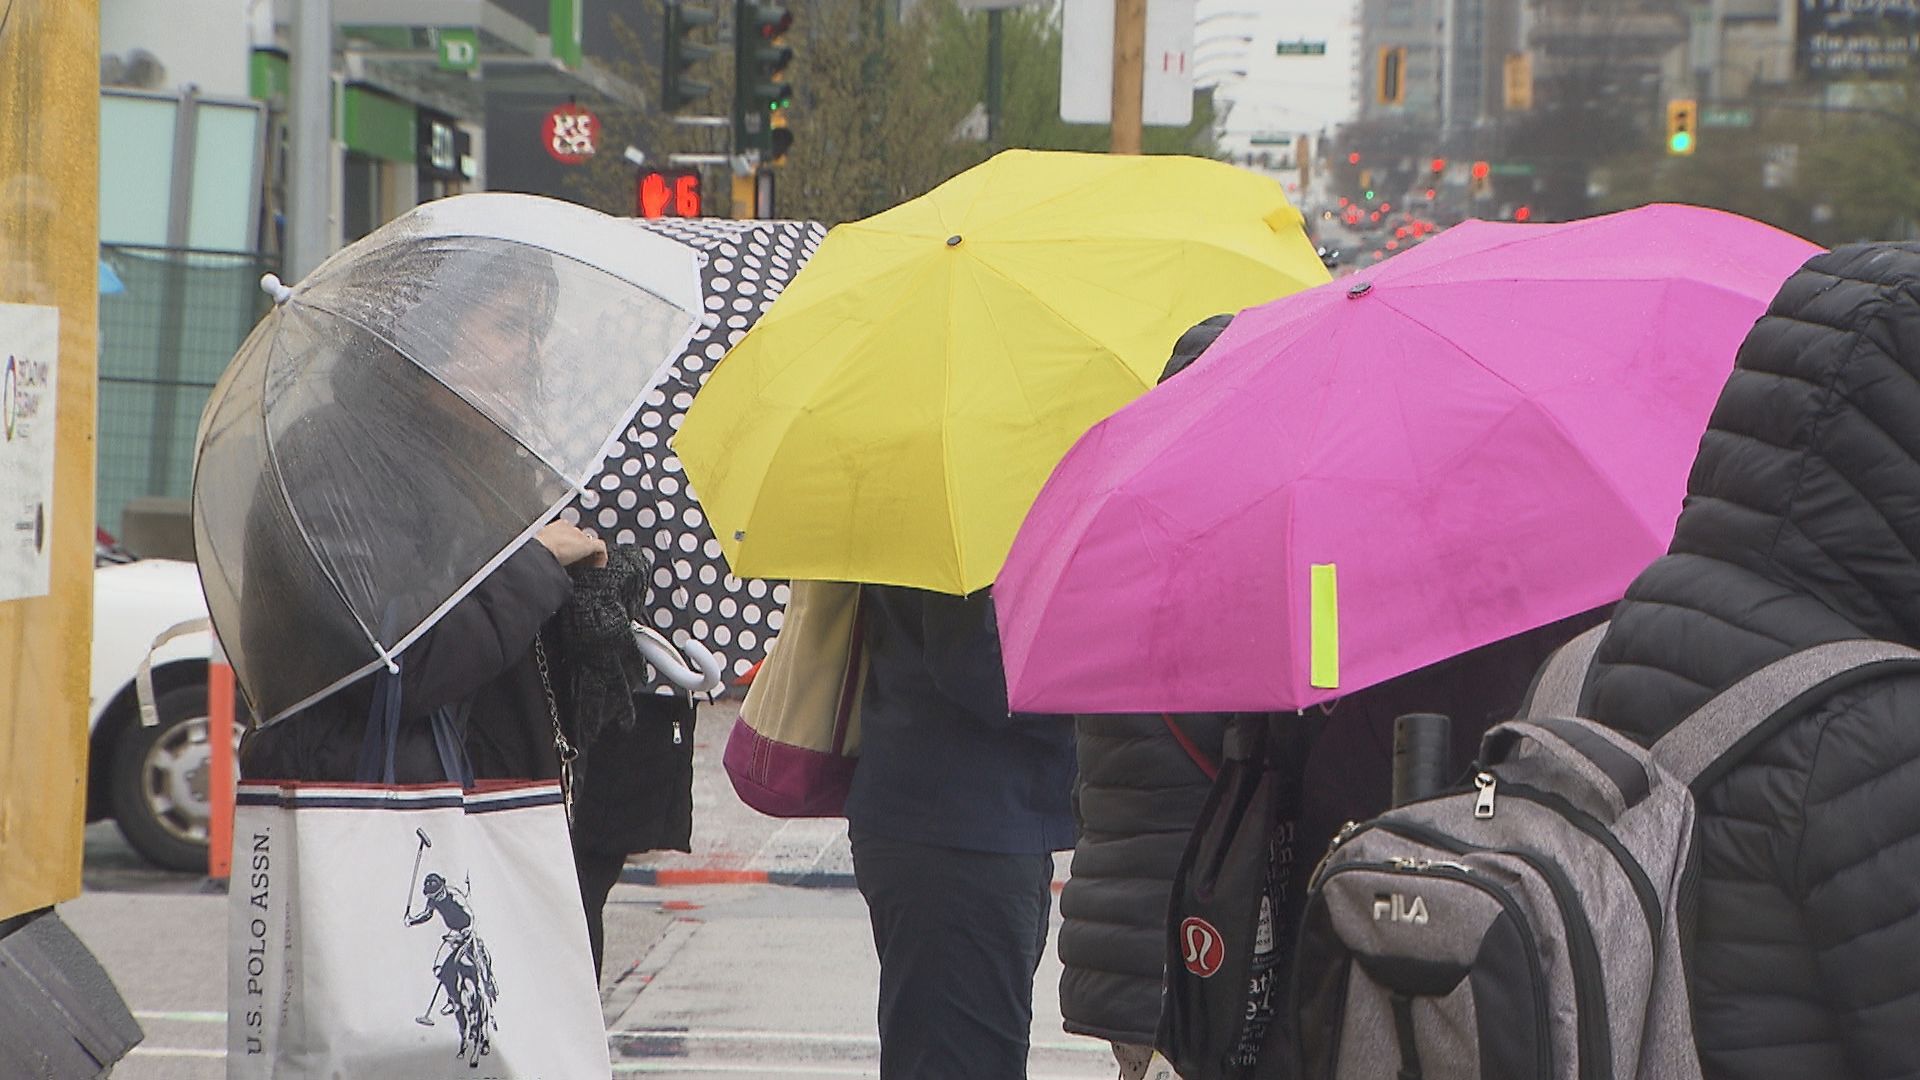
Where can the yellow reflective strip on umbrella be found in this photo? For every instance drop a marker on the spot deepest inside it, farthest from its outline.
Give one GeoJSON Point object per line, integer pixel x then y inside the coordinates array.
{"type": "Point", "coordinates": [1326, 627]}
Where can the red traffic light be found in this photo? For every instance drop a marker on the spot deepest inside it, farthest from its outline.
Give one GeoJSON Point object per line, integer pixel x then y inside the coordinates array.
{"type": "Point", "coordinates": [1481, 170]}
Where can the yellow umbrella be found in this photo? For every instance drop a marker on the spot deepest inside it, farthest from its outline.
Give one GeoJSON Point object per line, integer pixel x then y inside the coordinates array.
{"type": "Point", "coordinates": [892, 416]}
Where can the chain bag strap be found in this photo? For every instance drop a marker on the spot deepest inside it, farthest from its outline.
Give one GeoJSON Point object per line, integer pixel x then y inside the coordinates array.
{"type": "Point", "coordinates": [567, 751]}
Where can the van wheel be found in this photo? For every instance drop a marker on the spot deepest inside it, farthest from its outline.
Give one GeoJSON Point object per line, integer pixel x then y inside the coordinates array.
{"type": "Point", "coordinates": [159, 782]}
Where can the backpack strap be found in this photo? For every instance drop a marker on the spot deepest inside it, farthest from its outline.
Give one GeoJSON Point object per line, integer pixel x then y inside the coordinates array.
{"type": "Point", "coordinates": [1699, 748]}
{"type": "Point", "coordinates": [1556, 690]}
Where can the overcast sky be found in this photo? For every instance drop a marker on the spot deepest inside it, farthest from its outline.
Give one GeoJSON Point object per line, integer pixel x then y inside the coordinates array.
{"type": "Point", "coordinates": [1288, 95]}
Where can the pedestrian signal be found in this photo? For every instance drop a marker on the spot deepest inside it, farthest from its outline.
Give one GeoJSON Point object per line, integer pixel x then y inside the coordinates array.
{"type": "Point", "coordinates": [665, 193]}
{"type": "Point", "coordinates": [1683, 115]}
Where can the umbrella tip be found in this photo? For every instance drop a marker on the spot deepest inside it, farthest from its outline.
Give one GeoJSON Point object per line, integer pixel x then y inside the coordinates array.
{"type": "Point", "coordinates": [1360, 290]}
{"type": "Point", "coordinates": [954, 240]}
{"type": "Point", "coordinates": [271, 285]}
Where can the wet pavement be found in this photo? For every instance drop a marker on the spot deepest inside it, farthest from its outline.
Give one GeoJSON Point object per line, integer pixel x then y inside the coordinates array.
{"type": "Point", "coordinates": [750, 957]}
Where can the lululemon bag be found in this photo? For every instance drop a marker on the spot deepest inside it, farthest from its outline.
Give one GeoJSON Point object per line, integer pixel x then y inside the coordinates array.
{"type": "Point", "coordinates": [1226, 943]}
{"type": "Point", "coordinates": [1529, 926]}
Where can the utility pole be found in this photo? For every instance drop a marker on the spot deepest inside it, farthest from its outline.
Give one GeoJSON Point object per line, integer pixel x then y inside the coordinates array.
{"type": "Point", "coordinates": [309, 139]}
{"type": "Point", "coordinates": [996, 47]}
{"type": "Point", "coordinates": [1129, 73]}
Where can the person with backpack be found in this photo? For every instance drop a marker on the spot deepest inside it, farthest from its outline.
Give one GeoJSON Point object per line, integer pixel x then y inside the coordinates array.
{"type": "Point", "coordinates": [1801, 527]}
{"type": "Point", "coordinates": [1687, 858]}
{"type": "Point", "coordinates": [1144, 781]}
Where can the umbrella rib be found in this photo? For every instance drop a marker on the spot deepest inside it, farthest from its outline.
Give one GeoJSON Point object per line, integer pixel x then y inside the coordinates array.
{"type": "Point", "coordinates": [306, 539]}
{"type": "Point", "coordinates": [578, 486]}
{"type": "Point", "coordinates": [1455, 346]}
{"type": "Point", "coordinates": [1103, 347]}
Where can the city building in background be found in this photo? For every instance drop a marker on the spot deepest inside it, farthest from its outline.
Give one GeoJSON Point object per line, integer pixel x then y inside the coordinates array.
{"type": "Point", "coordinates": [193, 177]}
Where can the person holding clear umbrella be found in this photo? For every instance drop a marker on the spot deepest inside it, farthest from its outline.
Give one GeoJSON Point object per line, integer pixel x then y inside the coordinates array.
{"type": "Point", "coordinates": [484, 661]}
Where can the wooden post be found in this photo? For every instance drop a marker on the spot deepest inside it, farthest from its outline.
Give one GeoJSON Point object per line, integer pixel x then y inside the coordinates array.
{"type": "Point", "coordinates": [1129, 73]}
{"type": "Point", "coordinates": [220, 767]}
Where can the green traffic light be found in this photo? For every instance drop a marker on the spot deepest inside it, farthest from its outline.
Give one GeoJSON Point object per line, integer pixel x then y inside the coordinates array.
{"type": "Point", "coordinates": [1680, 142]}
{"type": "Point", "coordinates": [1369, 196]}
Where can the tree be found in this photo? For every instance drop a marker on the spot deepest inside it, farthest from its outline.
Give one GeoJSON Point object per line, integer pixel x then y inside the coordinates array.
{"type": "Point", "coordinates": [1031, 52]}
{"type": "Point", "coordinates": [1833, 175]}
{"type": "Point", "coordinates": [879, 108]}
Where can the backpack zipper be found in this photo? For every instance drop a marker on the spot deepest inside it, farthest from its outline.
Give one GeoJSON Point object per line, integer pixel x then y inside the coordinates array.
{"type": "Point", "coordinates": [1452, 871]}
{"type": "Point", "coordinates": [1589, 988]}
{"type": "Point", "coordinates": [1587, 823]}
{"type": "Point", "coordinates": [1483, 803]}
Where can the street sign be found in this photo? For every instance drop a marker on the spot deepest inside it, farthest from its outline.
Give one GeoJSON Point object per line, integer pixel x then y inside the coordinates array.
{"type": "Point", "coordinates": [570, 134]}
{"type": "Point", "coordinates": [1300, 48]}
{"type": "Point", "coordinates": [1086, 63]}
{"type": "Point", "coordinates": [1719, 116]}
{"type": "Point", "coordinates": [459, 50]}
{"type": "Point", "coordinates": [1511, 168]}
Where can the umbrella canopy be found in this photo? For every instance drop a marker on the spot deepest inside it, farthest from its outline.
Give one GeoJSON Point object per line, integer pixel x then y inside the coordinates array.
{"type": "Point", "coordinates": [409, 414]}
{"type": "Point", "coordinates": [892, 416]}
{"type": "Point", "coordinates": [1473, 439]}
{"type": "Point", "coordinates": [642, 497]}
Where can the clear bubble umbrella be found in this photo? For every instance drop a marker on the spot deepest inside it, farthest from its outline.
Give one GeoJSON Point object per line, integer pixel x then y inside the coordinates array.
{"type": "Point", "coordinates": [407, 415]}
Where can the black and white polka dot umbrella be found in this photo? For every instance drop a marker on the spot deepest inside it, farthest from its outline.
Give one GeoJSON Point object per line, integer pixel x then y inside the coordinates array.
{"type": "Point", "coordinates": [642, 498]}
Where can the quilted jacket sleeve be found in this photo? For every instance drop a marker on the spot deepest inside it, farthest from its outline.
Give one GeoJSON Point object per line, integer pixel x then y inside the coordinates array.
{"type": "Point", "coordinates": [1858, 876]}
{"type": "Point", "coordinates": [489, 630]}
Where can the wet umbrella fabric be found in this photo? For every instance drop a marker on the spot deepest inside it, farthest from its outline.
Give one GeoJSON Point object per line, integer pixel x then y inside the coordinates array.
{"type": "Point", "coordinates": [642, 496]}
{"type": "Point", "coordinates": [1478, 437]}
{"type": "Point", "coordinates": [891, 417]}
{"type": "Point", "coordinates": [410, 413]}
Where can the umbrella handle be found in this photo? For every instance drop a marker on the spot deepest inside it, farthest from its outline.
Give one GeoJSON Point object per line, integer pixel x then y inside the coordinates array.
{"type": "Point", "coordinates": [693, 667]}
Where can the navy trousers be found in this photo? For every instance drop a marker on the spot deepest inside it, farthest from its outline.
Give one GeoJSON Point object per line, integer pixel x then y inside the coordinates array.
{"type": "Point", "coordinates": [959, 934]}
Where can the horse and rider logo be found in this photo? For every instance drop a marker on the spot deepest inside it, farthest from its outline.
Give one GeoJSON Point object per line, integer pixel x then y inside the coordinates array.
{"type": "Point", "coordinates": [463, 969]}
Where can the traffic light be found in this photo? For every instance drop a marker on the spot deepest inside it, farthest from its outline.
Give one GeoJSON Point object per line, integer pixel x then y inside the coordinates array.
{"type": "Point", "coordinates": [1477, 177]}
{"type": "Point", "coordinates": [1682, 120]}
{"type": "Point", "coordinates": [761, 58]}
{"type": "Point", "coordinates": [663, 193]}
{"type": "Point", "coordinates": [684, 55]}
{"type": "Point", "coordinates": [1391, 87]}
{"type": "Point", "coordinates": [779, 139]}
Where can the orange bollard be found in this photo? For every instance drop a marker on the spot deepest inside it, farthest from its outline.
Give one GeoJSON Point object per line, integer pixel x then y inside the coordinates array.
{"type": "Point", "coordinates": [220, 766]}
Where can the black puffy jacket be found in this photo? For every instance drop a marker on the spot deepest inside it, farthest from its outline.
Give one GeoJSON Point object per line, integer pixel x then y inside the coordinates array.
{"type": "Point", "coordinates": [1140, 793]}
{"type": "Point", "coordinates": [1801, 526]}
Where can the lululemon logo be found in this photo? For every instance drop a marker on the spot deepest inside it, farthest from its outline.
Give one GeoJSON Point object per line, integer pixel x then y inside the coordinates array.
{"type": "Point", "coordinates": [1201, 947]}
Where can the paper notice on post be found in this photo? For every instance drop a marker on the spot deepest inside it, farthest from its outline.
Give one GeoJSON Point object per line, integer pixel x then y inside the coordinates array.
{"type": "Point", "coordinates": [29, 355]}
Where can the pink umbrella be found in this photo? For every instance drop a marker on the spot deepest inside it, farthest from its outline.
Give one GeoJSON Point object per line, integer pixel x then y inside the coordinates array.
{"type": "Point", "coordinates": [1478, 437]}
